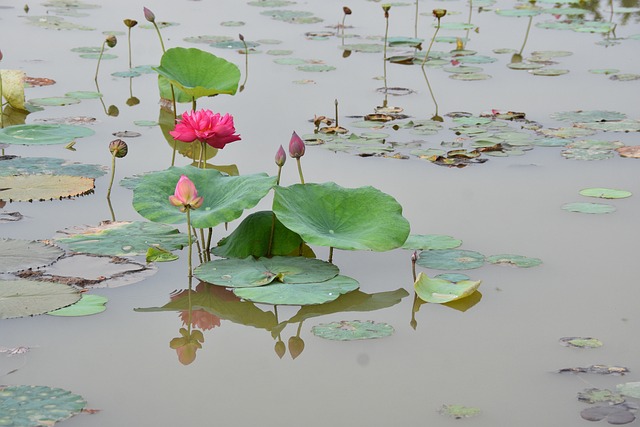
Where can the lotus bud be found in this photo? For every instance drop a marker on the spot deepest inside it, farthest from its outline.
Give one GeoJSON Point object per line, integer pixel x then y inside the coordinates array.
{"type": "Point", "coordinates": [386, 8]}
{"type": "Point", "coordinates": [149, 16]}
{"type": "Point", "coordinates": [346, 10]}
{"type": "Point", "coordinates": [280, 349]}
{"type": "Point", "coordinates": [439, 13]}
{"type": "Point", "coordinates": [26, 8]}
{"type": "Point", "coordinates": [130, 23]}
{"type": "Point", "coordinates": [111, 41]}
{"type": "Point", "coordinates": [185, 195]}
{"type": "Point", "coordinates": [118, 148]}
{"type": "Point", "coordinates": [241, 37]}
{"type": "Point", "coordinates": [414, 257]}
{"type": "Point", "coordinates": [296, 345]}
{"type": "Point", "coordinates": [296, 146]}
{"type": "Point", "coordinates": [281, 157]}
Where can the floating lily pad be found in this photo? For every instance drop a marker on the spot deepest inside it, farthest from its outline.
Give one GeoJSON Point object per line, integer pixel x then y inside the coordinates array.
{"type": "Point", "coordinates": [524, 65]}
{"type": "Point", "coordinates": [50, 22]}
{"type": "Point", "coordinates": [615, 414]}
{"type": "Point", "coordinates": [453, 259]}
{"type": "Point", "coordinates": [581, 116]}
{"type": "Point", "coordinates": [104, 57]}
{"type": "Point", "coordinates": [89, 304]}
{"type": "Point", "coordinates": [605, 193]}
{"type": "Point", "coordinates": [431, 241]}
{"type": "Point", "coordinates": [568, 132]}
{"type": "Point", "coordinates": [83, 94]}
{"type": "Point", "coordinates": [581, 342]}
{"type": "Point", "coordinates": [459, 411]}
{"type": "Point", "coordinates": [595, 144]}
{"type": "Point", "coordinates": [441, 291]}
{"type": "Point", "coordinates": [549, 72]}
{"type": "Point", "coordinates": [122, 238]}
{"type": "Point", "coordinates": [17, 255]}
{"type": "Point", "coordinates": [595, 395]}
{"type": "Point", "coordinates": [597, 369]}
{"type": "Point", "coordinates": [270, 3]}
{"type": "Point", "coordinates": [470, 76]}
{"type": "Point", "coordinates": [33, 406]}
{"type": "Point", "coordinates": [47, 165]}
{"type": "Point", "coordinates": [207, 39]}
{"type": "Point", "coordinates": [587, 154]}
{"type": "Point", "coordinates": [20, 298]}
{"type": "Point", "coordinates": [42, 134]}
{"type": "Point", "coordinates": [27, 188]}
{"type": "Point", "coordinates": [354, 219]}
{"type": "Point", "coordinates": [516, 260]}
{"type": "Point", "coordinates": [621, 77]}
{"type": "Point", "coordinates": [234, 44]}
{"type": "Point", "coordinates": [363, 47]}
{"type": "Point", "coordinates": [631, 389]}
{"type": "Point", "coordinates": [225, 197]}
{"type": "Point", "coordinates": [292, 16]}
{"type": "Point", "coordinates": [620, 126]}
{"type": "Point", "coordinates": [54, 101]}
{"type": "Point", "coordinates": [351, 330]}
{"type": "Point", "coordinates": [199, 73]}
{"type": "Point", "coordinates": [299, 293]}
{"type": "Point", "coordinates": [605, 71]}
{"type": "Point", "coordinates": [524, 12]}
{"type": "Point", "coordinates": [315, 68]}
{"type": "Point", "coordinates": [589, 208]}
{"type": "Point", "coordinates": [249, 272]}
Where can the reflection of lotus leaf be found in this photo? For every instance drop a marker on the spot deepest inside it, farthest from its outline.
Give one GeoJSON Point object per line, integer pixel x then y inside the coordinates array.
{"type": "Point", "coordinates": [352, 330]}
{"type": "Point", "coordinates": [353, 219]}
{"type": "Point", "coordinates": [454, 259]}
{"type": "Point", "coordinates": [19, 298]}
{"type": "Point", "coordinates": [589, 208]}
{"type": "Point", "coordinates": [248, 272]}
{"type": "Point", "coordinates": [28, 406]}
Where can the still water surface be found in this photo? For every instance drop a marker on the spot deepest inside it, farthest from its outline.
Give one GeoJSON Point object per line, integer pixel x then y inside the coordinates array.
{"type": "Point", "coordinates": [499, 356]}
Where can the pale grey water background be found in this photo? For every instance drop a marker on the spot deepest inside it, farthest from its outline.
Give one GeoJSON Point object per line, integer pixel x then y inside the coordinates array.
{"type": "Point", "coordinates": [499, 356]}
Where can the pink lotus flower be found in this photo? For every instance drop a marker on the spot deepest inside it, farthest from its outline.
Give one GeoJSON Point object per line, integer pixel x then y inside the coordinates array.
{"type": "Point", "coordinates": [186, 195]}
{"type": "Point", "coordinates": [148, 15]}
{"type": "Point", "coordinates": [281, 157]}
{"type": "Point", "coordinates": [204, 126]}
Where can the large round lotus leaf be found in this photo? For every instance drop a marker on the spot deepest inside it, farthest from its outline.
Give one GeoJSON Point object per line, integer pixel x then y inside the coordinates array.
{"type": "Point", "coordinates": [431, 241]}
{"type": "Point", "coordinates": [350, 330]}
{"type": "Point", "coordinates": [27, 188]}
{"type": "Point", "coordinates": [605, 193]}
{"type": "Point", "coordinates": [252, 236]}
{"type": "Point", "coordinates": [588, 116]}
{"type": "Point", "coordinates": [517, 260]}
{"type": "Point", "coordinates": [248, 272]}
{"type": "Point", "coordinates": [589, 208]}
{"type": "Point", "coordinates": [440, 290]}
{"type": "Point", "coordinates": [343, 218]}
{"type": "Point", "coordinates": [123, 238]}
{"type": "Point", "coordinates": [631, 389]}
{"type": "Point", "coordinates": [33, 406]}
{"type": "Point", "coordinates": [454, 259]}
{"type": "Point", "coordinates": [299, 293]}
{"type": "Point", "coordinates": [17, 255]}
{"type": "Point", "coordinates": [42, 134]}
{"type": "Point", "coordinates": [199, 73]}
{"type": "Point", "coordinates": [224, 197]}
{"type": "Point", "coordinates": [88, 305]}
{"type": "Point", "coordinates": [47, 165]}
{"type": "Point", "coordinates": [19, 298]}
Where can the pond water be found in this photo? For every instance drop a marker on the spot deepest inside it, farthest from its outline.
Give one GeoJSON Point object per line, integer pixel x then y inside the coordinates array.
{"type": "Point", "coordinates": [500, 355]}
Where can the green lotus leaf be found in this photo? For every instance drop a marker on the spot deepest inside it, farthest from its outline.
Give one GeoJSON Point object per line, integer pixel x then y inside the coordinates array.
{"type": "Point", "coordinates": [517, 260]}
{"type": "Point", "coordinates": [199, 73]}
{"type": "Point", "coordinates": [249, 272]}
{"type": "Point", "coordinates": [589, 208]}
{"type": "Point", "coordinates": [595, 395]}
{"type": "Point", "coordinates": [459, 411]}
{"type": "Point", "coordinates": [453, 259]}
{"type": "Point", "coordinates": [519, 12]}
{"type": "Point", "coordinates": [123, 238]}
{"type": "Point", "coordinates": [292, 16]}
{"type": "Point", "coordinates": [87, 305]}
{"type": "Point", "coordinates": [251, 238]}
{"type": "Point", "coordinates": [350, 330]}
{"type": "Point", "coordinates": [621, 126]}
{"type": "Point", "coordinates": [18, 255]}
{"type": "Point", "coordinates": [27, 188]}
{"type": "Point", "coordinates": [33, 406]}
{"type": "Point", "coordinates": [440, 291]}
{"type": "Point", "coordinates": [354, 219]}
{"type": "Point", "coordinates": [431, 241]}
{"type": "Point", "coordinates": [47, 165]}
{"type": "Point", "coordinates": [299, 293]}
{"type": "Point", "coordinates": [605, 193]}
{"type": "Point", "coordinates": [595, 144]}
{"type": "Point", "coordinates": [583, 116]}
{"type": "Point", "coordinates": [587, 154]}
{"type": "Point", "coordinates": [160, 254]}
{"type": "Point", "coordinates": [225, 197]}
{"type": "Point", "coordinates": [19, 298]}
{"type": "Point", "coordinates": [631, 389]}
{"type": "Point", "coordinates": [42, 134]}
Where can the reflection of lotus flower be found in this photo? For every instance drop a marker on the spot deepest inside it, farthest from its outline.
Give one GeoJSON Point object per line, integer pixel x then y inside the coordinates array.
{"type": "Point", "coordinates": [204, 126]}
{"type": "Point", "coordinates": [186, 195]}
{"type": "Point", "coordinates": [187, 345]}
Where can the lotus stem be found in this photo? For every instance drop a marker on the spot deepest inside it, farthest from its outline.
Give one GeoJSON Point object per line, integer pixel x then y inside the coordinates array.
{"type": "Point", "coordinates": [271, 234]}
{"type": "Point", "coordinates": [424, 72]}
{"type": "Point", "coordinates": [426, 56]}
{"type": "Point", "coordinates": [1, 109]}
{"type": "Point", "coordinates": [202, 157]}
{"type": "Point", "coordinates": [129, 44]}
{"type": "Point", "coordinates": [336, 104]}
{"type": "Point", "coordinates": [469, 20]}
{"type": "Point", "coordinates": [99, 59]}
{"type": "Point", "coordinates": [414, 322]}
{"type": "Point", "coordinates": [300, 171]}
{"type": "Point", "coordinates": [159, 36]}
{"type": "Point", "coordinates": [331, 254]}
{"type": "Point", "coordinates": [415, 25]}
{"type": "Point", "coordinates": [414, 258]}
{"type": "Point", "coordinates": [113, 215]}
{"type": "Point", "coordinates": [246, 63]}
{"type": "Point", "coordinates": [193, 230]}
{"type": "Point", "coordinates": [208, 249]}
{"type": "Point", "coordinates": [279, 175]}
{"type": "Point", "coordinates": [204, 246]}
{"type": "Point", "coordinates": [113, 173]}
{"type": "Point", "coordinates": [384, 55]}
{"type": "Point", "coordinates": [188, 210]}
{"type": "Point", "coordinates": [526, 36]}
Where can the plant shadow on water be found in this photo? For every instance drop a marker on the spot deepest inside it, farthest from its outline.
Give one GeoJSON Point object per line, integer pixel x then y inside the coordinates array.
{"type": "Point", "coordinates": [479, 135]}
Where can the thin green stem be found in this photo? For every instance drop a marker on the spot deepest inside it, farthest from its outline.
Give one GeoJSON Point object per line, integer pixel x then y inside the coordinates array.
{"type": "Point", "coordinates": [331, 254]}
{"type": "Point", "coordinates": [204, 245]}
{"type": "Point", "coordinates": [384, 59]}
{"type": "Point", "coordinates": [526, 36]}
{"type": "Point", "coordinates": [469, 20]}
{"type": "Point", "coordinates": [99, 59]}
{"type": "Point", "coordinates": [415, 25]}
{"type": "Point", "coordinates": [344, 17]}
{"type": "Point", "coordinates": [113, 215]}
{"type": "Point", "coordinates": [246, 65]}
{"type": "Point", "coordinates": [1, 109]}
{"type": "Point", "coordinates": [426, 56]}
{"type": "Point", "coordinates": [300, 171]}
{"type": "Point", "coordinates": [424, 72]}
{"type": "Point", "coordinates": [159, 36]}
{"type": "Point", "coordinates": [279, 175]}
{"type": "Point", "coordinates": [129, 43]}
{"type": "Point", "coordinates": [336, 104]}
{"type": "Point", "coordinates": [271, 234]}
{"type": "Point", "coordinates": [113, 172]}
{"type": "Point", "coordinates": [190, 243]}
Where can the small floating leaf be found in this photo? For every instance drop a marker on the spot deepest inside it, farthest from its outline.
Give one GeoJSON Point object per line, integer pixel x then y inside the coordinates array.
{"type": "Point", "coordinates": [315, 68]}
{"type": "Point", "coordinates": [54, 101]}
{"type": "Point", "coordinates": [605, 193]}
{"type": "Point", "coordinates": [458, 411]}
{"type": "Point", "coordinates": [595, 395]}
{"type": "Point", "coordinates": [41, 134]}
{"type": "Point", "coordinates": [350, 330]}
{"type": "Point", "coordinates": [453, 259]}
{"type": "Point", "coordinates": [631, 389]}
{"type": "Point", "coordinates": [581, 342]}
{"type": "Point", "coordinates": [431, 241]}
{"type": "Point", "coordinates": [159, 254]}
{"type": "Point", "coordinates": [589, 208]}
{"type": "Point", "coordinates": [441, 291]}
{"type": "Point", "coordinates": [32, 406]}
{"type": "Point", "coordinates": [19, 298]}
{"type": "Point", "coordinates": [89, 304]}
{"type": "Point", "coordinates": [83, 94]}
{"type": "Point", "coordinates": [516, 260]}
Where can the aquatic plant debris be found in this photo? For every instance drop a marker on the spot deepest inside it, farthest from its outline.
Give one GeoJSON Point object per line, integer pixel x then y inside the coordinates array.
{"type": "Point", "coordinates": [596, 395]}
{"type": "Point", "coordinates": [631, 389]}
{"type": "Point", "coordinates": [350, 330]}
{"type": "Point", "coordinates": [596, 369]}
{"type": "Point", "coordinates": [580, 342]}
{"type": "Point", "coordinates": [33, 406]}
{"type": "Point", "coordinates": [459, 411]}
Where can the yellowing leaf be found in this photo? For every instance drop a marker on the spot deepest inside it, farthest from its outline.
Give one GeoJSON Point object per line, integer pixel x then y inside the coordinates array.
{"type": "Point", "coordinates": [13, 87]}
{"type": "Point", "coordinates": [440, 291]}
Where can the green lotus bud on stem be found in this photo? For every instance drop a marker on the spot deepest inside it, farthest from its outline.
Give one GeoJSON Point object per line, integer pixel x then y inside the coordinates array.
{"type": "Point", "coordinates": [118, 148]}
{"type": "Point", "coordinates": [439, 13]}
{"type": "Point", "coordinates": [111, 41]}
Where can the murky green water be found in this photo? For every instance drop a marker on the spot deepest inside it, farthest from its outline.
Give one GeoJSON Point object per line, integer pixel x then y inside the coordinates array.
{"type": "Point", "coordinates": [499, 356]}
